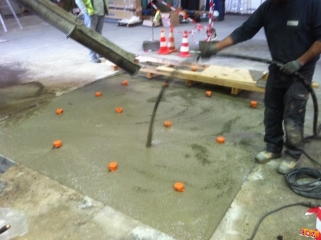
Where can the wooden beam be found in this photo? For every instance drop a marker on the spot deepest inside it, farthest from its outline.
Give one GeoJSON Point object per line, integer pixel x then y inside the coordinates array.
{"type": "Point", "coordinates": [235, 91]}
{"type": "Point", "coordinates": [173, 62]}
{"type": "Point", "coordinates": [234, 78]}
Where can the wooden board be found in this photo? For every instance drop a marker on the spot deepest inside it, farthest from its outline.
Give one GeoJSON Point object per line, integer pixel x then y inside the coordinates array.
{"type": "Point", "coordinates": [237, 79]}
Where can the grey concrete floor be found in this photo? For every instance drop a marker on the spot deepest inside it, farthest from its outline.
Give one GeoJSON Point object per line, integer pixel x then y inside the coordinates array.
{"type": "Point", "coordinates": [226, 193]}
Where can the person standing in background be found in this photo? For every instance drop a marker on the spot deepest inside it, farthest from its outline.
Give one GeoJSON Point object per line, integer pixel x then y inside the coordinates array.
{"type": "Point", "coordinates": [221, 9]}
{"type": "Point", "coordinates": [94, 14]}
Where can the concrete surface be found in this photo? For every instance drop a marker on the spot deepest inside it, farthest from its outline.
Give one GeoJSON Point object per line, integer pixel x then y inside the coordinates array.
{"type": "Point", "coordinates": [38, 64]}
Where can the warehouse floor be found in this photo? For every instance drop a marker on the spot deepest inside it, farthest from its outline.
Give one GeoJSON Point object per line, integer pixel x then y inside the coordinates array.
{"type": "Point", "coordinates": [68, 192]}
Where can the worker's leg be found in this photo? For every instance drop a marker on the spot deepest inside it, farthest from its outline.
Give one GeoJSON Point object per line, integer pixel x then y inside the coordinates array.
{"type": "Point", "coordinates": [99, 28]}
{"type": "Point", "coordinates": [294, 113]}
{"type": "Point", "coordinates": [91, 22]}
{"type": "Point", "coordinates": [100, 24]}
{"type": "Point", "coordinates": [273, 116]}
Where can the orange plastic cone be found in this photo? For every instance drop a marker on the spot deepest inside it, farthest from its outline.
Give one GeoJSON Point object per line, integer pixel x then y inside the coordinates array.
{"type": "Point", "coordinates": [184, 51]}
{"type": "Point", "coordinates": [171, 41]}
{"type": "Point", "coordinates": [163, 45]}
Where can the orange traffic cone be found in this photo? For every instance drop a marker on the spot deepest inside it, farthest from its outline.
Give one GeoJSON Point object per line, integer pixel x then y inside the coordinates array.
{"type": "Point", "coordinates": [184, 51]}
{"type": "Point", "coordinates": [171, 41]}
{"type": "Point", "coordinates": [163, 45]}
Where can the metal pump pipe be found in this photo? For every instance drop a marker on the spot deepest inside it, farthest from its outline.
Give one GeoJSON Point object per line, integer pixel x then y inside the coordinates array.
{"type": "Point", "coordinates": [75, 29]}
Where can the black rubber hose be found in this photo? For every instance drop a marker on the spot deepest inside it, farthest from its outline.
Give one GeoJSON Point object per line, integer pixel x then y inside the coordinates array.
{"type": "Point", "coordinates": [4, 228]}
{"type": "Point", "coordinates": [305, 204]}
{"type": "Point", "coordinates": [151, 123]}
{"type": "Point", "coordinates": [310, 189]}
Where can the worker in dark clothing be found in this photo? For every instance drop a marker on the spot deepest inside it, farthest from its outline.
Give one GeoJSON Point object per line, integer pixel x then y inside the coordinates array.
{"type": "Point", "coordinates": [293, 32]}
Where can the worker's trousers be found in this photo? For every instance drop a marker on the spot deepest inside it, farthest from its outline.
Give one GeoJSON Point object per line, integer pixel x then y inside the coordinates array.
{"type": "Point", "coordinates": [95, 23]}
{"type": "Point", "coordinates": [285, 103]}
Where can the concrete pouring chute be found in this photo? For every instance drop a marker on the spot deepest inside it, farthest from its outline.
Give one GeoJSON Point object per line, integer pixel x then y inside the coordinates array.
{"type": "Point", "coordinates": [75, 29]}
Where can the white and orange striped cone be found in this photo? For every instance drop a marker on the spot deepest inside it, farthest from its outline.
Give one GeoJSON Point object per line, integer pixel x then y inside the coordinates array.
{"type": "Point", "coordinates": [163, 44]}
{"type": "Point", "coordinates": [171, 41]}
{"type": "Point", "coordinates": [184, 51]}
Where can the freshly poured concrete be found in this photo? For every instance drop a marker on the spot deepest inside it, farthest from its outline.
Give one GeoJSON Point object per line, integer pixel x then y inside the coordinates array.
{"type": "Point", "coordinates": [93, 135]}
{"type": "Point", "coordinates": [143, 184]}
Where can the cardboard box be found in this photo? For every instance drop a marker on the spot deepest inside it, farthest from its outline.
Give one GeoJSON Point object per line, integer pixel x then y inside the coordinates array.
{"type": "Point", "coordinates": [122, 14]}
{"type": "Point", "coordinates": [125, 4]}
{"type": "Point", "coordinates": [174, 18]}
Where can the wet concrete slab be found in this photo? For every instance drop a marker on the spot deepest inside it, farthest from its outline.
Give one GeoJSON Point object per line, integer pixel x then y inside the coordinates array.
{"type": "Point", "coordinates": [93, 135]}
{"type": "Point", "coordinates": [37, 207]}
{"type": "Point", "coordinates": [41, 54]}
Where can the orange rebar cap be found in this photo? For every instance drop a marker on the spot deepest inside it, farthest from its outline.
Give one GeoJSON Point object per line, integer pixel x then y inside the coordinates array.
{"type": "Point", "coordinates": [124, 83]}
{"type": "Point", "coordinates": [220, 139]}
{"type": "Point", "coordinates": [254, 104]}
{"type": "Point", "coordinates": [208, 93]}
{"type": "Point", "coordinates": [193, 69]}
{"type": "Point", "coordinates": [165, 84]}
{"type": "Point", "coordinates": [112, 166]}
{"type": "Point", "coordinates": [119, 110]}
{"type": "Point", "coordinates": [57, 144]}
{"type": "Point", "coordinates": [97, 94]}
{"type": "Point", "coordinates": [179, 187]}
{"type": "Point", "coordinates": [59, 111]}
{"type": "Point", "coordinates": [167, 124]}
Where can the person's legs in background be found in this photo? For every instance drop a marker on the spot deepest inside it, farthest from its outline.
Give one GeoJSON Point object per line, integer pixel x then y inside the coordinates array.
{"type": "Point", "coordinates": [99, 28]}
{"type": "Point", "coordinates": [220, 9]}
{"type": "Point", "coordinates": [92, 23]}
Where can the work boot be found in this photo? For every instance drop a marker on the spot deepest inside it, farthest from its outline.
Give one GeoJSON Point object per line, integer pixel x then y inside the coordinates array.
{"type": "Point", "coordinates": [266, 156]}
{"type": "Point", "coordinates": [95, 60]}
{"type": "Point", "coordinates": [287, 164]}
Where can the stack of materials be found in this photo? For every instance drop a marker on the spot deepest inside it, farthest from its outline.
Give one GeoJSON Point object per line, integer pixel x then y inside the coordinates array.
{"type": "Point", "coordinates": [124, 9]}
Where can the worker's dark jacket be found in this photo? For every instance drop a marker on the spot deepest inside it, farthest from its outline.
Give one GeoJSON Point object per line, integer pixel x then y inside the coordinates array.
{"type": "Point", "coordinates": [290, 28]}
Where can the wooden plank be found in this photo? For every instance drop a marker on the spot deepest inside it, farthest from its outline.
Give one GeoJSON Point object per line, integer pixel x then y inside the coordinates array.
{"type": "Point", "coordinates": [114, 67]}
{"type": "Point", "coordinates": [228, 73]}
{"type": "Point", "coordinates": [234, 78]}
{"type": "Point", "coordinates": [235, 91]}
{"type": "Point", "coordinates": [189, 83]}
{"type": "Point", "coordinates": [164, 61]}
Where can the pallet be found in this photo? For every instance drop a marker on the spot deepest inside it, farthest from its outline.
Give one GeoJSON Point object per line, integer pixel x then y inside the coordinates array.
{"type": "Point", "coordinates": [237, 79]}
{"type": "Point", "coordinates": [129, 24]}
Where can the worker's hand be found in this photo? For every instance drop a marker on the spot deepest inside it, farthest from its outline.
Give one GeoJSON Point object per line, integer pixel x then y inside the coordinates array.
{"type": "Point", "coordinates": [291, 67]}
{"type": "Point", "coordinates": [209, 52]}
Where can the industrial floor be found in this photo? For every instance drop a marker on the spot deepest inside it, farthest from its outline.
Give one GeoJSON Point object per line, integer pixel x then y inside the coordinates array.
{"type": "Point", "coordinates": [68, 193]}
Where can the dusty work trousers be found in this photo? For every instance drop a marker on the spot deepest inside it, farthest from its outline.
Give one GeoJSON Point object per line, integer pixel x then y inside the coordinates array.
{"type": "Point", "coordinates": [285, 103]}
{"type": "Point", "coordinates": [95, 23]}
